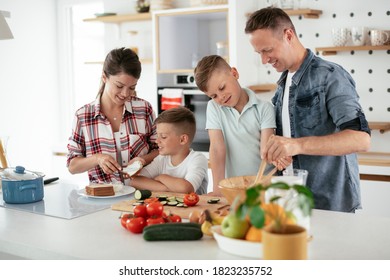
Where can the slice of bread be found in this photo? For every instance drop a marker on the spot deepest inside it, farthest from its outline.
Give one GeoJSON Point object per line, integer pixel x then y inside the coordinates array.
{"type": "Point", "coordinates": [100, 190]}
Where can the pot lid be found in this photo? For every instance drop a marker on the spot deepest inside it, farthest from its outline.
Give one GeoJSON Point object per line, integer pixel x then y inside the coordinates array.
{"type": "Point", "coordinates": [19, 173]}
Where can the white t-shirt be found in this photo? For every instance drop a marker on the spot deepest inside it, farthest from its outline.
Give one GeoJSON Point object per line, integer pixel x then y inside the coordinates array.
{"type": "Point", "coordinates": [286, 114]}
{"type": "Point", "coordinates": [193, 169]}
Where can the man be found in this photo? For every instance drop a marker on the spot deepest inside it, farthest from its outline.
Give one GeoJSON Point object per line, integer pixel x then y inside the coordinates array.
{"type": "Point", "coordinates": [318, 116]}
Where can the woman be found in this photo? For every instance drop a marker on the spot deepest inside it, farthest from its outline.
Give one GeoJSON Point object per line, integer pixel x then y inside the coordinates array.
{"type": "Point", "coordinates": [117, 128]}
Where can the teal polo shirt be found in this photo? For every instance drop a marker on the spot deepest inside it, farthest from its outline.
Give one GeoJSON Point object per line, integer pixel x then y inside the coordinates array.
{"type": "Point", "coordinates": [241, 132]}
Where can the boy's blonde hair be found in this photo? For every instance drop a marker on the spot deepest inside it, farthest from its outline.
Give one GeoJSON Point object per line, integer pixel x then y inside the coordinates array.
{"type": "Point", "coordinates": [182, 118]}
{"type": "Point", "coordinates": [206, 67]}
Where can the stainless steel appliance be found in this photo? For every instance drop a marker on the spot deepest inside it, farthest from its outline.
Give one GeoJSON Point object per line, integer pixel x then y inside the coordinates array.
{"type": "Point", "coordinates": [193, 99]}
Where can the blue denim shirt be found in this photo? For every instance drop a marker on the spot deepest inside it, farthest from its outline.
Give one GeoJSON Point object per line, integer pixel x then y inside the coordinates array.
{"type": "Point", "coordinates": [322, 97]}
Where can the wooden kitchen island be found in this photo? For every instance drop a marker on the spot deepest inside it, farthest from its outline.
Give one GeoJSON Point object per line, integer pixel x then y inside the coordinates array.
{"type": "Point", "coordinates": [100, 236]}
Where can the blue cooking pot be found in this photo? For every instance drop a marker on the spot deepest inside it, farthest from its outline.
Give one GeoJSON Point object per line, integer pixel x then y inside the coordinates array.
{"type": "Point", "coordinates": [21, 186]}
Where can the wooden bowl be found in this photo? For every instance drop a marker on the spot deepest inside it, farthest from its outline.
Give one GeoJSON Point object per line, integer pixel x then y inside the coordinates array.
{"type": "Point", "coordinates": [235, 186]}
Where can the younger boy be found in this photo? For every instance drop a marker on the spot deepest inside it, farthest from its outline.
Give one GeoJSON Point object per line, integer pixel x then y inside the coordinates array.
{"type": "Point", "coordinates": [177, 168]}
{"type": "Point", "coordinates": [238, 123]}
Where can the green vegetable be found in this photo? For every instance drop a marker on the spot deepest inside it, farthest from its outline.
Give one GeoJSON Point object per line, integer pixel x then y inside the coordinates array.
{"type": "Point", "coordinates": [142, 194]}
{"type": "Point", "coordinates": [173, 232]}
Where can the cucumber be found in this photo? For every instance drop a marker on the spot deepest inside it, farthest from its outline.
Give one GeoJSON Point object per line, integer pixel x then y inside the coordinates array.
{"type": "Point", "coordinates": [172, 203]}
{"type": "Point", "coordinates": [162, 198]}
{"type": "Point", "coordinates": [173, 232]}
{"type": "Point", "coordinates": [142, 194]}
{"type": "Point", "coordinates": [213, 200]}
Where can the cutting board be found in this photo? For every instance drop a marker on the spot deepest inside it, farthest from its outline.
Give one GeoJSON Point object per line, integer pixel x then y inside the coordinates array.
{"type": "Point", "coordinates": [183, 212]}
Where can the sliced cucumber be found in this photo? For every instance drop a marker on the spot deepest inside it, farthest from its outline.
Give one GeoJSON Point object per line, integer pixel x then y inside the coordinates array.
{"type": "Point", "coordinates": [163, 202]}
{"type": "Point", "coordinates": [172, 203]}
{"type": "Point", "coordinates": [213, 200]}
{"type": "Point", "coordinates": [180, 199]}
{"type": "Point", "coordinates": [142, 194]}
{"type": "Point", "coordinates": [162, 198]}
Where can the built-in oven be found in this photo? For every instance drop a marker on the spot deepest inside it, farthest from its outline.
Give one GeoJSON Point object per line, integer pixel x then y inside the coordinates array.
{"type": "Point", "coordinates": [193, 99]}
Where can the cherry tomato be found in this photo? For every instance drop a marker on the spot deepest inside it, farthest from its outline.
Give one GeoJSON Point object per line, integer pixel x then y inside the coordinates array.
{"type": "Point", "coordinates": [154, 209]}
{"type": "Point", "coordinates": [173, 218]}
{"type": "Point", "coordinates": [191, 199]}
{"type": "Point", "coordinates": [136, 225]}
{"type": "Point", "coordinates": [154, 221]}
{"type": "Point", "coordinates": [140, 211]}
{"type": "Point", "coordinates": [124, 219]}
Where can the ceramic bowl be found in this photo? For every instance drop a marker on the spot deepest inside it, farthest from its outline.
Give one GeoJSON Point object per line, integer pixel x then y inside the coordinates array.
{"type": "Point", "coordinates": [238, 247]}
{"type": "Point", "coordinates": [235, 187]}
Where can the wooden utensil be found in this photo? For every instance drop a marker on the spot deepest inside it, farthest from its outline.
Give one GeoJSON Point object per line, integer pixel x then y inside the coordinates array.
{"type": "Point", "coordinates": [260, 172]}
{"type": "Point", "coordinates": [3, 159]}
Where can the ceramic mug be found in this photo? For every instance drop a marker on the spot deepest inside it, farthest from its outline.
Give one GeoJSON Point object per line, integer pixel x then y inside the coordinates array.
{"type": "Point", "coordinates": [380, 37]}
{"type": "Point", "coordinates": [359, 35]}
{"type": "Point", "coordinates": [340, 36]}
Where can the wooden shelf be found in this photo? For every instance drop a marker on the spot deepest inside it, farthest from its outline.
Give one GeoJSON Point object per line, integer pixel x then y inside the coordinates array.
{"type": "Point", "coordinates": [263, 88]}
{"type": "Point", "coordinates": [121, 18]}
{"type": "Point", "coordinates": [334, 50]}
{"type": "Point", "coordinates": [144, 61]}
{"type": "Point", "coordinates": [306, 13]}
{"type": "Point", "coordinates": [381, 126]}
{"type": "Point", "coordinates": [374, 159]}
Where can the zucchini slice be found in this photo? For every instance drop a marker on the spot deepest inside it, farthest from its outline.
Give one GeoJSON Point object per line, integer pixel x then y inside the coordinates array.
{"type": "Point", "coordinates": [142, 194]}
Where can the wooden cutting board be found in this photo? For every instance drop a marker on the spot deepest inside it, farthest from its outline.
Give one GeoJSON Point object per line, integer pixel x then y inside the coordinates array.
{"type": "Point", "coordinates": [127, 205]}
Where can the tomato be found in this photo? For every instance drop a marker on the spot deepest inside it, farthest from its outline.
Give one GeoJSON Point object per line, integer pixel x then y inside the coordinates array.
{"type": "Point", "coordinates": [154, 209]}
{"type": "Point", "coordinates": [140, 211]}
{"type": "Point", "coordinates": [150, 200]}
{"type": "Point", "coordinates": [191, 199]}
{"type": "Point", "coordinates": [173, 218]}
{"type": "Point", "coordinates": [124, 219]}
{"type": "Point", "coordinates": [136, 225]}
{"type": "Point", "coordinates": [154, 221]}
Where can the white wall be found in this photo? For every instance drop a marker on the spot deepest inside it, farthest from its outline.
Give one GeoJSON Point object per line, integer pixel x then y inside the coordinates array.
{"type": "Point", "coordinates": [28, 83]}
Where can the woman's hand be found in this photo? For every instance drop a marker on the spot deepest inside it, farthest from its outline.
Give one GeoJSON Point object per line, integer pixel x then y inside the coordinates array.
{"type": "Point", "coordinates": [108, 164]}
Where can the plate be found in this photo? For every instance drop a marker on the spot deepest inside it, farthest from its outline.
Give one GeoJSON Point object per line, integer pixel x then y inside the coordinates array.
{"type": "Point", "coordinates": [121, 192]}
{"type": "Point", "coordinates": [237, 247]}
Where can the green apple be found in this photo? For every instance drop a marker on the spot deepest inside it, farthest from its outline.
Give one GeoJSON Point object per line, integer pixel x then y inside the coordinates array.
{"type": "Point", "coordinates": [234, 227]}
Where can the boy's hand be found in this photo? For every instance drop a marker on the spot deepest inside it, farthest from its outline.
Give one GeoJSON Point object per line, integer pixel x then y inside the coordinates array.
{"type": "Point", "coordinates": [282, 163]}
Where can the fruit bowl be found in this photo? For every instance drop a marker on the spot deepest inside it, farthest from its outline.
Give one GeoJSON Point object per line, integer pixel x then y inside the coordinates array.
{"type": "Point", "coordinates": [238, 247]}
{"type": "Point", "coordinates": [235, 186]}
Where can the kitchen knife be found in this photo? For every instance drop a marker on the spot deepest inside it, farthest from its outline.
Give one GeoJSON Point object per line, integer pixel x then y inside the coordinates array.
{"type": "Point", "coordinates": [50, 180]}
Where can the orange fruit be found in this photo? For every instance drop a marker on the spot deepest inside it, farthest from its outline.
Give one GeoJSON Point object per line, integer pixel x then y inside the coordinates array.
{"type": "Point", "coordinates": [254, 234]}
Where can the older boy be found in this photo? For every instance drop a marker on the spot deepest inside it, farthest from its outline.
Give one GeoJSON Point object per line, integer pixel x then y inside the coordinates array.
{"type": "Point", "coordinates": [177, 168]}
{"type": "Point", "coordinates": [238, 123]}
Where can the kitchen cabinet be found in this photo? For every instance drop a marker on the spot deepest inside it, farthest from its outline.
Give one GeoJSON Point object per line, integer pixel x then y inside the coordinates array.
{"type": "Point", "coordinates": [184, 36]}
{"type": "Point", "coordinates": [335, 50]}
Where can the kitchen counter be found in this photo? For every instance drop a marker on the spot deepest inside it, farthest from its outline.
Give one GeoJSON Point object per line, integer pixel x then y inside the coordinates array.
{"type": "Point", "coordinates": [100, 236]}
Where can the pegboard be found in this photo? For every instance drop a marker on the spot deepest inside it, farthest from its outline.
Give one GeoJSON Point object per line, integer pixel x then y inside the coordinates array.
{"type": "Point", "coordinates": [369, 69]}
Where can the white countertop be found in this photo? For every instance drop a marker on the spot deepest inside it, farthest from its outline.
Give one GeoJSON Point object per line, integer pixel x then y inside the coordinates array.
{"type": "Point", "coordinates": [100, 236]}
